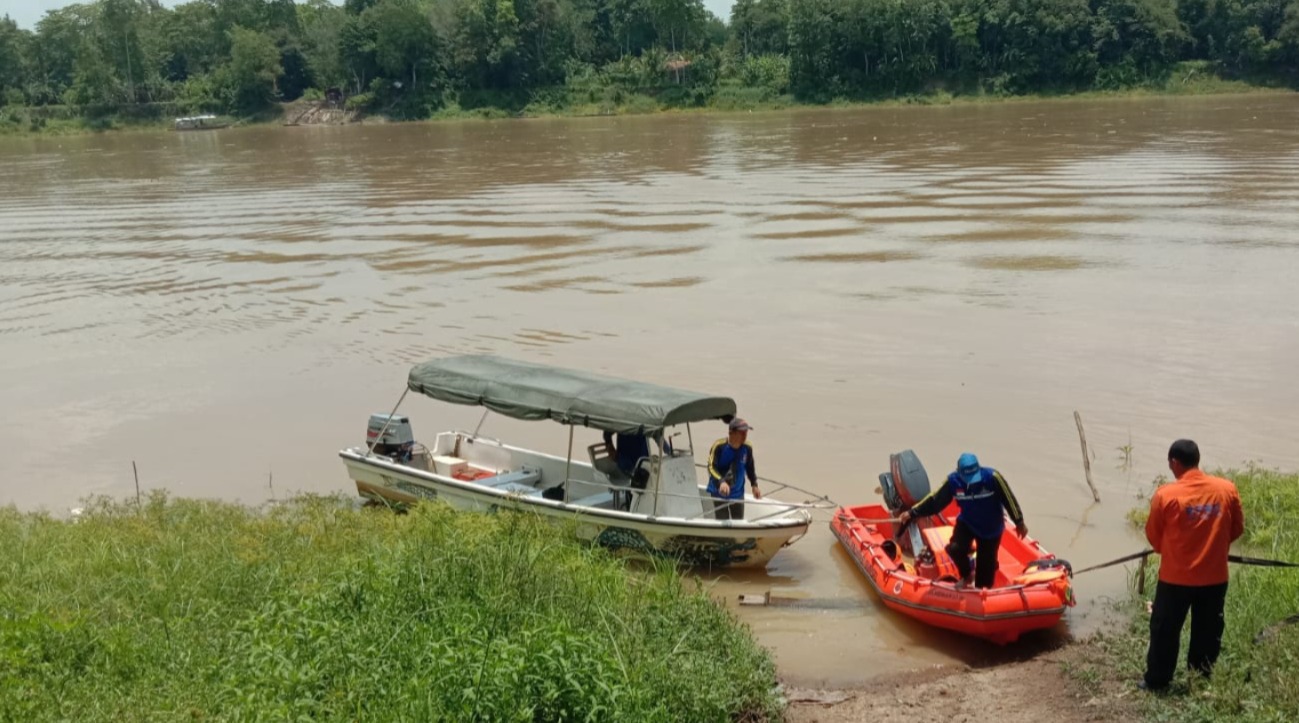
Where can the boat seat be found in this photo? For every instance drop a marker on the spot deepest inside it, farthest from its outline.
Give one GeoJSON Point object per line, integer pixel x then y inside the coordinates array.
{"type": "Point", "coordinates": [521, 480]}
{"type": "Point", "coordinates": [603, 498]}
{"type": "Point", "coordinates": [605, 464]}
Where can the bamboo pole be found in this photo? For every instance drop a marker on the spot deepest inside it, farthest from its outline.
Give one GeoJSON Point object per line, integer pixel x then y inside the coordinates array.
{"type": "Point", "coordinates": [1087, 462]}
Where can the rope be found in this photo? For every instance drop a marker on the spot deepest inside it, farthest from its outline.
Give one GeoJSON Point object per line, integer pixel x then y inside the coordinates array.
{"type": "Point", "coordinates": [1238, 559]}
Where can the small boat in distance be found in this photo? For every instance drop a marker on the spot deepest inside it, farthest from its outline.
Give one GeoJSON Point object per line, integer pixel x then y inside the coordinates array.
{"type": "Point", "coordinates": [913, 574]}
{"type": "Point", "coordinates": [200, 123]}
{"type": "Point", "coordinates": [658, 510]}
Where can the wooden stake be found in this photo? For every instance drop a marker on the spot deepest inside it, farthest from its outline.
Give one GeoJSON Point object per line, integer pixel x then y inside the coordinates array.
{"type": "Point", "coordinates": [1087, 462]}
{"type": "Point", "coordinates": [136, 470]}
{"type": "Point", "coordinates": [1141, 576]}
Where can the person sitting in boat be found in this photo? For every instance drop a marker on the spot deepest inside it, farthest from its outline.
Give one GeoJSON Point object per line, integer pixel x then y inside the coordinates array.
{"type": "Point", "coordinates": [981, 493]}
{"type": "Point", "coordinates": [628, 450]}
{"type": "Point", "coordinates": [729, 463]}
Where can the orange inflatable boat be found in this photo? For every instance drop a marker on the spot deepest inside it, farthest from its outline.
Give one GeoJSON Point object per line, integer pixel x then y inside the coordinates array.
{"type": "Point", "coordinates": [914, 575]}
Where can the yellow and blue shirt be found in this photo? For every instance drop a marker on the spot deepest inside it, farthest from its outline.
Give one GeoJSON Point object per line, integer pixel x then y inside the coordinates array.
{"type": "Point", "coordinates": [732, 465]}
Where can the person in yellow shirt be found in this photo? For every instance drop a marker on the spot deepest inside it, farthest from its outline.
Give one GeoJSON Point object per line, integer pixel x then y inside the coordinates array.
{"type": "Point", "coordinates": [1192, 523]}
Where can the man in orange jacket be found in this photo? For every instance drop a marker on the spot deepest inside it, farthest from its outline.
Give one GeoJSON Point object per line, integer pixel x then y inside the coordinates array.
{"type": "Point", "coordinates": [1192, 524]}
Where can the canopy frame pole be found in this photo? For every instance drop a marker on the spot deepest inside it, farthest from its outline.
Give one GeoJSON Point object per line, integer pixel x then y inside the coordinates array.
{"type": "Point", "coordinates": [480, 422]}
{"type": "Point", "coordinates": [568, 463]}
{"type": "Point", "coordinates": [690, 439]}
{"type": "Point", "coordinates": [658, 489]}
{"type": "Point", "coordinates": [384, 428]}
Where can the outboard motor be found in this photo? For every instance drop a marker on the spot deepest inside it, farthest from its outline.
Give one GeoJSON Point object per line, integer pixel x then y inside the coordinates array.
{"type": "Point", "coordinates": [397, 440]}
{"type": "Point", "coordinates": [906, 482]}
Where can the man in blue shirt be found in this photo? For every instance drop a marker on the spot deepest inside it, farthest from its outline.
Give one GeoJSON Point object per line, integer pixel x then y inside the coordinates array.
{"type": "Point", "coordinates": [981, 493]}
{"type": "Point", "coordinates": [730, 463]}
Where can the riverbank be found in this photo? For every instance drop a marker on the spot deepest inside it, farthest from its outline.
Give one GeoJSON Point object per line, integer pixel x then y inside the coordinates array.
{"type": "Point", "coordinates": [1095, 679]}
{"type": "Point", "coordinates": [1189, 79]}
{"type": "Point", "coordinates": [313, 606]}
{"type": "Point", "coordinates": [1254, 678]}
{"type": "Point", "coordinates": [317, 608]}
{"type": "Point", "coordinates": [1025, 691]}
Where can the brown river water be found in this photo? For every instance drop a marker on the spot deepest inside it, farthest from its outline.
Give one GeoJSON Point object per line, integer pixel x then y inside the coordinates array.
{"type": "Point", "coordinates": [226, 308]}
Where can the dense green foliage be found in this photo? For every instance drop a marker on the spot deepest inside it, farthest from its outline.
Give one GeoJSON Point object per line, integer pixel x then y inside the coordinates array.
{"type": "Point", "coordinates": [1254, 678]}
{"type": "Point", "coordinates": [317, 610]}
{"type": "Point", "coordinates": [414, 58]}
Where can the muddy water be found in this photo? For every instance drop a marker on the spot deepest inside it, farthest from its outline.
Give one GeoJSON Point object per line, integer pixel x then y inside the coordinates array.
{"type": "Point", "coordinates": [226, 308]}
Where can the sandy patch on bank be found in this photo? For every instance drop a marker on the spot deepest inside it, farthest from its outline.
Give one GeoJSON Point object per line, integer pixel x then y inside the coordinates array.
{"type": "Point", "coordinates": [1030, 691]}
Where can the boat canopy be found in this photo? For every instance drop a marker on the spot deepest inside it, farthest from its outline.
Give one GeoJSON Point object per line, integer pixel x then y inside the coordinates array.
{"type": "Point", "coordinates": [524, 390]}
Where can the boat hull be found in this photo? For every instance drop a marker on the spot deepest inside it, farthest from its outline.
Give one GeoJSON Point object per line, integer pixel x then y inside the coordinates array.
{"type": "Point", "coordinates": [694, 542]}
{"type": "Point", "coordinates": [1026, 599]}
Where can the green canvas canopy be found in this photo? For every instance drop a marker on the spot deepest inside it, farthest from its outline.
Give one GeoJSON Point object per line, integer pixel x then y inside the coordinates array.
{"type": "Point", "coordinates": [534, 391]}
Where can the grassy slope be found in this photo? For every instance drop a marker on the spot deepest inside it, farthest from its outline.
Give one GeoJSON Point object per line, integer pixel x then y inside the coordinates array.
{"type": "Point", "coordinates": [315, 609]}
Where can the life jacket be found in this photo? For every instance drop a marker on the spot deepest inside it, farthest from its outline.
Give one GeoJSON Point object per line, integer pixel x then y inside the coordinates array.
{"type": "Point", "coordinates": [980, 503]}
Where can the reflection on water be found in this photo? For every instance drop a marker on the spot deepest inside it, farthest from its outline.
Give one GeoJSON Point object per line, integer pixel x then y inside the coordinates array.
{"type": "Point", "coordinates": [225, 305]}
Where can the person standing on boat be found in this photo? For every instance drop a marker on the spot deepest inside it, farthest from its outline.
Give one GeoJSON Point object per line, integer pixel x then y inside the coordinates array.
{"type": "Point", "coordinates": [629, 450]}
{"type": "Point", "coordinates": [981, 493]}
{"type": "Point", "coordinates": [730, 462]}
{"type": "Point", "coordinates": [1192, 524]}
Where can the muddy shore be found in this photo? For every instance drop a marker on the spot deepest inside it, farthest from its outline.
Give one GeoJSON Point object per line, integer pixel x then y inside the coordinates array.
{"type": "Point", "coordinates": [1022, 691]}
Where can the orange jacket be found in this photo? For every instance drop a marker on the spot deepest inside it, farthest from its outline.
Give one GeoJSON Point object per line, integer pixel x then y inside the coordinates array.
{"type": "Point", "coordinates": [1192, 525]}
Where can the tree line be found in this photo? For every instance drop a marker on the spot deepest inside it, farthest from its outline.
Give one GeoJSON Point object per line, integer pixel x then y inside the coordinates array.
{"type": "Point", "coordinates": [411, 57]}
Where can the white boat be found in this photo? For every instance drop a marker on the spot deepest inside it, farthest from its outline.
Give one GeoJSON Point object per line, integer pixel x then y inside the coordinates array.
{"type": "Point", "coordinates": [659, 510]}
{"type": "Point", "coordinates": [200, 123]}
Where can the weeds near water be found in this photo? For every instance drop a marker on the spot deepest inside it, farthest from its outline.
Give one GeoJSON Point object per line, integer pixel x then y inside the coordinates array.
{"type": "Point", "coordinates": [1125, 455]}
{"type": "Point", "coordinates": [312, 608]}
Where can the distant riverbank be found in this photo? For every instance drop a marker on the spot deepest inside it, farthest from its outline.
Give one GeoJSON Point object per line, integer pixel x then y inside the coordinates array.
{"type": "Point", "coordinates": [1191, 80]}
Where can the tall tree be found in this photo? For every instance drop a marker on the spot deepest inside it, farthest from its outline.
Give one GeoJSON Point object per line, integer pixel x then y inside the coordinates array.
{"type": "Point", "coordinates": [14, 44]}
{"type": "Point", "coordinates": [249, 77]}
{"type": "Point", "coordinates": [486, 41]}
{"type": "Point", "coordinates": [356, 51]}
{"type": "Point", "coordinates": [678, 21]}
{"type": "Point", "coordinates": [321, 24]}
{"type": "Point", "coordinates": [404, 42]}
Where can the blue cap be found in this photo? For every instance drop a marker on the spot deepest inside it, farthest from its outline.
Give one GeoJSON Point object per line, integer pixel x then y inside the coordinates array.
{"type": "Point", "coordinates": [968, 467]}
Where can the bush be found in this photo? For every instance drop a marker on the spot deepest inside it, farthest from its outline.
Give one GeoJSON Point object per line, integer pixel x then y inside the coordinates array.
{"type": "Point", "coordinates": [360, 101]}
{"type": "Point", "coordinates": [766, 71]}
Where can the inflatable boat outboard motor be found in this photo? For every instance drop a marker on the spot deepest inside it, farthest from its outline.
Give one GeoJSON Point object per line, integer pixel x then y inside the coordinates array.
{"type": "Point", "coordinates": [905, 484]}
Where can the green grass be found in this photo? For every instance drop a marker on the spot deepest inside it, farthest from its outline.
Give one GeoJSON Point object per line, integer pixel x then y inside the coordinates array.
{"type": "Point", "coordinates": [316, 610]}
{"type": "Point", "coordinates": [1253, 681]}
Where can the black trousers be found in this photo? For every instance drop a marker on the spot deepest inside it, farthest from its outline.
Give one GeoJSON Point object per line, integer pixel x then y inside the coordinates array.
{"type": "Point", "coordinates": [1172, 602]}
{"type": "Point", "coordinates": [985, 561]}
{"type": "Point", "coordinates": [728, 509]}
